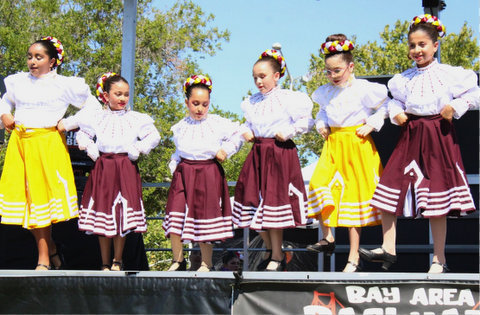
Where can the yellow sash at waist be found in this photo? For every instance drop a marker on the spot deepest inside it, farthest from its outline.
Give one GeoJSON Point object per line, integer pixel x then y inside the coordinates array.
{"type": "Point", "coordinates": [345, 129]}
{"type": "Point", "coordinates": [26, 132]}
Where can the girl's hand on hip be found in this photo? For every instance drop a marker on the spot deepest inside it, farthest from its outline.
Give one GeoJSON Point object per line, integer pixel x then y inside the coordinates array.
{"type": "Point", "coordinates": [248, 136]}
{"type": "Point", "coordinates": [324, 132]}
{"type": "Point", "coordinates": [280, 137]}
{"type": "Point", "coordinates": [401, 119]}
{"type": "Point", "coordinates": [8, 121]}
{"type": "Point", "coordinates": [221, 155]}
{"type": "Point", "coordinates": [60, 126]}
{"type": "Point", "coordinates": [447, 112]}
{"type": "Point", "coordinates": [364, 130]}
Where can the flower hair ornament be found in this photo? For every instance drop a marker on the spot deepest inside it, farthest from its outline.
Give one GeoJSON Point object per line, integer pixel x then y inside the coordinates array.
{"type": "Point", "coordinates": [430, 19]}
{"type": "Point", "coordinates": [278, 57]}
{"type": "Point", "coordinates": [337, 46]}
{"type": "Point", "coordinates": [100, 86]}
{"type": "Point", "coordinates": [197, 79]}
{"type": "Point", "coordinates": [58, 46]}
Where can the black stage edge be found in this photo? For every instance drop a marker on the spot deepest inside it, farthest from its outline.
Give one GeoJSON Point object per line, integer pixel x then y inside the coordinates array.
{"type": "Point", "coordinates": [84, 292]}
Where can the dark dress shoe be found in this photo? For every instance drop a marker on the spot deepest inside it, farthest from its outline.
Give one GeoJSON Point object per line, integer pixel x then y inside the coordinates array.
{"type": "Point", "coordinates": [178, 265]}
{"type": "Point", "coordinates": [264, 263]}
{"type": "Point", "coordinates": [325, 248]}
{"type": "Point", "coordinates": [385, 258]}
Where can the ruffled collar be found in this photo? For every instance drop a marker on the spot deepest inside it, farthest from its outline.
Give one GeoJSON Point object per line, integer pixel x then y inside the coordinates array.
{"type": "Point", "coordinates": [116, 112]}
{"type": "Point", "coordinates": [431, 65]}
{"type": "Point", "coordinates": [190, 120]}
{"type": "Point", "coordinates": [46, 76]}
{"type": "Point", "coordinates": [351, 79]}
{"type": "Point", "coordinates": [272, 91]}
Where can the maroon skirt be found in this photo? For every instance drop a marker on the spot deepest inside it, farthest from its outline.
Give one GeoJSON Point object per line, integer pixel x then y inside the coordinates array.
{"type": "Point", "coordinates": [112, 200]}
{"type": "Point", "coordinates": [270, 192]}
{"type": "Point", "coordinates": [198, 206]}
{"type": "Point", "coordinates": [425, 174]}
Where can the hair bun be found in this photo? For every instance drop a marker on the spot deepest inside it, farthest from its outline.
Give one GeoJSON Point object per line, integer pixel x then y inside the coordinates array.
{"type": "Point", "coordinates": [58, 46]}
{"type": "Point", "coordinates": [197, 79]}
{"type": "Point", "coordinates": [278, 57]}
{"type": "Point", "coordinates": [337, 46]}
{"type": "Point", "coordinates": [100, 86]}
{"type": "Point", "coordinates": [429, 19]}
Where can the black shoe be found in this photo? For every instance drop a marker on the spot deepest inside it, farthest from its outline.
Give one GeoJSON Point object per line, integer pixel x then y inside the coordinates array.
{"type": "Point", "coordinates": [385, 258]}
{"type": "Point", "coordinates": [444, 267]}
{"type": "Point", "coordinates": [264, 263]}
{"type": "Point", "coordinates": [281, 265]}
{"type": "Point", "coordinates": [60, 257]}
{"type": "Point", "coordinates": [178, 265]}
{"type": "Point", "coordinates": [325, 248]}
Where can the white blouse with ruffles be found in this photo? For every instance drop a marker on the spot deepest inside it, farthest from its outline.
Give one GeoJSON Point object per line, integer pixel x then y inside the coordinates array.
{"type": "Point", "coordinates": [202, 139]}
{"type": "Point", "coordinates": [42, 102]}
{"type": "Point", "coordinates": [278, 111]}
{"type": "Point", "coordinates": [122, 131]}
{"type": "Point", "coordinates": [358, 102]}
{"type": "Point", "coordinates": [425, 91]}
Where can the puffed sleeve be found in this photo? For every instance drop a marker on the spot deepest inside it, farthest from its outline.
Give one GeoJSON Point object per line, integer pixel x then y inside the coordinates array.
{"type": "Point", "coordinates": [300, 110]}
{"type": "Point", "coordinates": [246, 126]}
{"type": "Point", "coordinates": [7, 102]}
{"type": "Point", "coordinates": [464, 90]}
{"type": "Point", "coordinates": [148, 136]}
{"type": "Point", "coordinates": [85, 138]}
{"type": "Point", "coordinates": [175, 158]}
{"type": "Point", "coordinates": [78, 94]}
{"type": "Point", "coordinates": [232, 136]}
{"type": "Point", "coordinates": [396, 105]}
{"type": "Point", "coordinates": [321, 120]}
{"type": "Point", "coordinates": [375, 97]}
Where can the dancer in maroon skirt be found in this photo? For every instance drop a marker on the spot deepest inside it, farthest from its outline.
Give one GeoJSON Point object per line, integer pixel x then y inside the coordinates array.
{"type": "Point", "coordinates": [425, 177]}
{"type": "Point", "coordinates": [270, 193]}
{"type": "Point", "coordinates": [198, 207]}
{"type": "Point", "coordinates": [112, 200]}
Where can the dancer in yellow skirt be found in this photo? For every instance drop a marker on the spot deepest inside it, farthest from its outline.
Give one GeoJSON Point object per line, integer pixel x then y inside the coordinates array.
{"type": "Point", "coordinates": [37, 186]}
{"type": "Point", "coordinates": [349, 167]}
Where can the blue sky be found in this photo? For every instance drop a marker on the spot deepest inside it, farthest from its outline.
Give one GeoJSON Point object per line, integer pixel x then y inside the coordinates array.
{"type": "Point", "coordinates": [301, 27]}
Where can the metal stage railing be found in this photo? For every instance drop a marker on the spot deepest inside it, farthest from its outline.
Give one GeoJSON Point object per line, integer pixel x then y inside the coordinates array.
{"type": "Point", "coordinates": [473, 179]}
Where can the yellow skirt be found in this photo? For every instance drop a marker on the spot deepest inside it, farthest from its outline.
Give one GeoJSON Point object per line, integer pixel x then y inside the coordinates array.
{"type": "Point", "coordinates": [344, 180]}
{"type": "Point", "coordinates": [37, 187]}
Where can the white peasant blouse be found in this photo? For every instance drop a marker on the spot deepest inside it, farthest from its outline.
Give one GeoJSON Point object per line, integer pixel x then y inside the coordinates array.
{"type": "Point", "coordinates": [42, 102]}
{"type": "Point", "coordinates": [425, 91]}
{"type": "Point", "coordinates": [358, 102]}
{"type": "Point", "coordinates": [278, 111]}
{"type": "Point", "coordinates": [202, 139]}
{"type": "Point", "coordinates": [122, 131]}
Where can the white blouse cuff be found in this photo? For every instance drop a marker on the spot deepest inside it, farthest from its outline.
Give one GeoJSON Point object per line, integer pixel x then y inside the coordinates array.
{"type": "Point", "coordinates": [172, 166]}
{"type": "Point", "coordinates": [133, 153]}
{"type": "Point", "coordinates": [320, 124]}
{"type": "Point", "coordinates": [70, 123]}
{"type": "Point", "coordinates": [92, 151]}
{"type": "Point", "coordinates": [229, 147]}
{"type": "Point", "coordinates": [376, 121]}
{"type": "Point", "coordinates": [288, 132]}
{"type": "Point", "coordinates": [460, 106]}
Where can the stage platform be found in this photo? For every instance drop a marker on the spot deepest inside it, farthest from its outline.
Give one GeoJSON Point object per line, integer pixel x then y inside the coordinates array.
{"type": "Point", "coordinates": [228, 293]}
